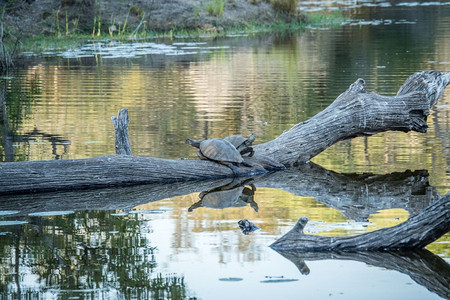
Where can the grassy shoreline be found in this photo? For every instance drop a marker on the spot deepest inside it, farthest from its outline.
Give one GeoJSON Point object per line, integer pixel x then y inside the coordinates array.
{"type": "Point", "coordinates": [41, 43]}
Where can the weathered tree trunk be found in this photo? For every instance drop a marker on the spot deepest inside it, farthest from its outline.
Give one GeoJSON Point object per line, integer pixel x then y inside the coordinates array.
{"type": "Point", "coordinates": [355, 112]}
{"type": "Point", "coordinates": [415, 233]}
{"type": "Point", "coordinates": [121, 131]}
{"type": "Point", "coordinates": [361, 197]}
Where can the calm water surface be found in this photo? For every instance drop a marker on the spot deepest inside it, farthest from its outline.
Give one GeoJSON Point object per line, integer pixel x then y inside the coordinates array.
{"type": "Point", "coordinates": [145, 242]}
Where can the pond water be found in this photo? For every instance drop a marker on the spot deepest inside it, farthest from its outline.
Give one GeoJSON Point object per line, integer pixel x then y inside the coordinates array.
{"type": "Point", "coordinates": [162, 241]}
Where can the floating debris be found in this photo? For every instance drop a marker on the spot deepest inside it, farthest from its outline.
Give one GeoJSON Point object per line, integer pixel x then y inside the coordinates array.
{"type": "Point", "coordinates": [113, 49]}
{"type": "Point", "coordinates": [121, 214]}
{"type": "Point", "coordinates": [12, 223]}
{"type": "Point", "coordinates": [231, 279]}
{"type": "Point", "coordinates": [93, 142]}
{"type": "Point", "coordinates": [315, 6]}
{"type": "Point", "coordinates": [8, 212]}
{"type": "Point", "coordinates": [51, 213]}
{"type": "Point", "coordinates": [188, 44]}
{"type": "Point", "coordinates": [152, 211]}
{"type": "Point", "coordinates": [37, 143]}
{"type": "Point", "coordinates": [278, 280]}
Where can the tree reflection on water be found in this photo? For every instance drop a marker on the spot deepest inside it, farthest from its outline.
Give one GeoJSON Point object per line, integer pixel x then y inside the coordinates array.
{"type": "Point", "coordinates": [93, 254]}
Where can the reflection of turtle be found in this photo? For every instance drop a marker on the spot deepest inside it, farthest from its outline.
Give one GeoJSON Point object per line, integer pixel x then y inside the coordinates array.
{"type": "Point", "coordinates": [230, 195]}
{"type": "Point", "coordinates": [220, 151]}
{"type": "Point", "coordinates": [247, 226]}
{"type": "Point", "coordinates": [242, 144]}
{"type": "Point", "coordinates": [248, 196]}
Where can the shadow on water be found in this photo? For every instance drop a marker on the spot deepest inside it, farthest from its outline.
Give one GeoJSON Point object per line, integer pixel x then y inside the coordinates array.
{"type": "Point", "coordinates": [422, 266]}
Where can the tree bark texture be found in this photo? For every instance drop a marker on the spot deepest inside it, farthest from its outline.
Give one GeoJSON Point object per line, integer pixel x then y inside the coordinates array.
{"type": "Point", "coordinates": [415, 233]}
{"type": "Point", "coordinates": [355, 112]}
{"type": "Point", "coordinates": [364, 194]}
{"type": "Point", "coordinates": [122, 143]}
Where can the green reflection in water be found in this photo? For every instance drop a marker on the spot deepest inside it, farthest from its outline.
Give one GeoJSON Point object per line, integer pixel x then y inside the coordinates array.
{"type": "Point", "coordinates": [89, 254]}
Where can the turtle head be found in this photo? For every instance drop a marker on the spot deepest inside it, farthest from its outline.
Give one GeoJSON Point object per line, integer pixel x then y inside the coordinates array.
{"type": "Point", "coordinates": [252, 138]}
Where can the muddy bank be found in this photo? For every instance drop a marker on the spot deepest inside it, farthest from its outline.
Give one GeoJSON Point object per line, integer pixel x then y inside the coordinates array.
{"type": "Point", "coordinates": [32, 17]}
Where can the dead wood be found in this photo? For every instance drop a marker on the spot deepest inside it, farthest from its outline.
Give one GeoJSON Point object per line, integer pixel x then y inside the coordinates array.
{"type": "Point", "coordinates": [356, 196]}
{"type": "Point", "coordinates": [415, 233]}
{"type": "Point", "coordinates": [121, 132]}
{"type": "Point", "coordinates": [355, 112]}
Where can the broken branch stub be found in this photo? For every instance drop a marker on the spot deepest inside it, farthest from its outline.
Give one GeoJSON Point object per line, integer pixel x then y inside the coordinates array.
{"type": "Point", "coordinates": [122, 143]}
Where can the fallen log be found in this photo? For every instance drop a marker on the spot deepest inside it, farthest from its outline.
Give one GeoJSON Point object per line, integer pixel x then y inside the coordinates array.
{"type": "Point", "coordinates": [415, 233]}
{"type": "Point", "coordinates": [355, 112]}
{"type": "Point", "coordinates": [360, 197]}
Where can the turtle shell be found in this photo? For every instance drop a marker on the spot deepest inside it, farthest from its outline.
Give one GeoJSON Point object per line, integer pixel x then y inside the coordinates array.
{"type": "Point", "coordinates": [236, 140]}
{"type": "Point", "coordinates": [240, 142]}
{"type": "Point", "coordinates": [223, 199]}
{"type": "Point", "coordinates": [220, 150]}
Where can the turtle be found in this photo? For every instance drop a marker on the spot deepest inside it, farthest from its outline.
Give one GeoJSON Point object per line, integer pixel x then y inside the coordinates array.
{"type": "Point", "coordinates": [248, 196]}
{"type": "Point", "coordinates": [242, 144]}
{"type": "Point", "coordinates": [233, 194]}
{"type": "Point", "coordinates": [247, 226]}
{"type": "Point", "coordinates": [220, 151]}
{"type": "Point", "coordinates": [220, 199]}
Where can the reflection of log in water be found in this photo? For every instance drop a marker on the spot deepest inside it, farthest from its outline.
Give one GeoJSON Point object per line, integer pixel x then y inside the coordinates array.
{"type": "Point", "coordinates": [104, 199]}
{"type": "Point", "coordinates": [422, 266]}
{"type": "Point", "coordinates": [340, 191]}
{"type": "Point", "coordinates": [356, 195]}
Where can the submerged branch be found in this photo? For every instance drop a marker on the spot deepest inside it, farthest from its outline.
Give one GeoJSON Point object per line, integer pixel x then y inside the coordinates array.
{"type": "Point", "coordinates": [415, 233]}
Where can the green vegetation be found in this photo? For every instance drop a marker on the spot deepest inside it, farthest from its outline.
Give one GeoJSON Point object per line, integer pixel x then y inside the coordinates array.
{"type": "Point", "coordinates": [215, 7]}
{"type": "Point", "coordinates": [8, 45]}
{"type": "Point", "coordinates": [329, 19]}
{"type": "Point", "coordinates": [72, 40]}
